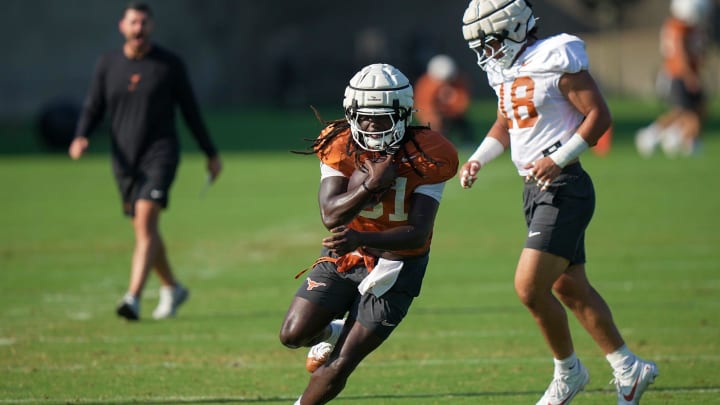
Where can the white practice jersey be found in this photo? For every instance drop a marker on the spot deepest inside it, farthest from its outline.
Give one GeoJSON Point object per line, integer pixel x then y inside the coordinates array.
{"type": "Point", "coordinates": [537, 113]}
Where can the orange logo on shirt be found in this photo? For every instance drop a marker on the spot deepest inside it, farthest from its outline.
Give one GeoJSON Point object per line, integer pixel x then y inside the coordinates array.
{"type": "Point", "coordinates": [134, 80]}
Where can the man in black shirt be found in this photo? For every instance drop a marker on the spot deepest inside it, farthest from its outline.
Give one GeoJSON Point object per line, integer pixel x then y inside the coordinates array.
{"type": "Point", "coordinates": [141, 85]}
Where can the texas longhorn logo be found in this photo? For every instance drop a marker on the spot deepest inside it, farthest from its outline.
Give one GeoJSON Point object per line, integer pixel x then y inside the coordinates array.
{"type": "Point", "coordinates": [313, 284]}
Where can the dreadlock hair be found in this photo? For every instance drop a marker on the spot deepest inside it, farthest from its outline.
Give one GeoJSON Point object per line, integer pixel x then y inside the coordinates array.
{"type": "Point", "coordinates": [352, 149]}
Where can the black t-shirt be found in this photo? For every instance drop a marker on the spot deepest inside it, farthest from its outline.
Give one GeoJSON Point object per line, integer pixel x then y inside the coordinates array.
{"type": "Point", "coordinates": [141, 96]}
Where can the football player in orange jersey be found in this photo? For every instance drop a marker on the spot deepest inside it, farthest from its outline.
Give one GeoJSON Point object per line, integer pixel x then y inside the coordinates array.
{"type": "Point", "coordinates": [381, 185]}
{"type": "Point", "coordinates": [442, 99]}
{"type": "Point", "coordinates": [683, 43]}
{"type": "Point", "coordinates": [550, 110]}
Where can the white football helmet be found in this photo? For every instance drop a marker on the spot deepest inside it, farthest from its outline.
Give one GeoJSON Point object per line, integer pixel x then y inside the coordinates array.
{"type": "Point", "coordinates": [691, 12]}
{"type": "Point", "coordinates": [442, 67]}
{"type": "Point", "coordinates": [505, 21]}
{"type": "Point", "coordinates": [379, 89]}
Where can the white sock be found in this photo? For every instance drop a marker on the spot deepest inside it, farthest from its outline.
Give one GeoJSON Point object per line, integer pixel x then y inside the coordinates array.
{"type": "Point", "coordinates": [567, 365]}
{"type": "Point", "coordinates": [336, 326]}
{"type": "Point", "coordinates": [298, 401]}
{"type": "Point", "coordinates": [621, 358]}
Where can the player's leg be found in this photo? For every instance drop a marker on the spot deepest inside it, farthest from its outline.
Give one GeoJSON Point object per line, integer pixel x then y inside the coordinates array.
{"type": "Point", "coordinates": [534, 277]}
{"type": "Point", "coordinates": [368, 325]}
{"type": "Point", "coordinates": [306, 323]}
{"type": "Point", "coordinates": [145, 217]}
{"type": "Point", "coordinates": [370, 322]}
{"type": "Point", "coordinates": [323, 296]}
{"type": "Point", "coordinates": [591, 310]}
{"type": "Point", "coordinates": [556, 218]}
{"type": "Point", "coordinates": [147, 242]}
{"type": "Point", "coordinates": [330, 379]}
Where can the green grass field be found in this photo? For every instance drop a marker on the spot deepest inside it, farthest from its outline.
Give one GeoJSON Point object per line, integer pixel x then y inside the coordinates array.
{"type": "Point", "coordinates": [654, 253]}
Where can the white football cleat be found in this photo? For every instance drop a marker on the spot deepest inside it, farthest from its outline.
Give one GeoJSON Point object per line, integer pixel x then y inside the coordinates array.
{"type": "Point", "coordinates": [170, 299]}
{"type": "Point", "coordinates": [564, 387]}
{"type": "Point", "coordinates": [319, 354]}
{"type": "Point", "coordinates": [632, 382]}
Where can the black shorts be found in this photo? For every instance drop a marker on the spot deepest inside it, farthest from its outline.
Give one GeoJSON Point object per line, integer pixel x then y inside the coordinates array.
{"type": "Point", "coordinates": [557, 217]}
{"type": "Point", "coordinates": [681, 97]}
{"type": "Point", "coordinates": [338, 292]}
{"type": "Point", "coordinates": [151, 181]}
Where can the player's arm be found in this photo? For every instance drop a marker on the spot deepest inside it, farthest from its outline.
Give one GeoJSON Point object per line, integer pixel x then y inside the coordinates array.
{"type": "Point", "coordinates": [341, 199]}
{"type": "Point", "coordinates": [92, 112]}
{"type": "Point", "coordinates": [191, 111]}
{"type": "Point", "coordinates": [492, 146]}
{"type": "Point", "coordinates": [421, 218]}
{"type": "Point", "coordinates": [583, 93]}
{"type": "Point", "coordinates": [338, 204]}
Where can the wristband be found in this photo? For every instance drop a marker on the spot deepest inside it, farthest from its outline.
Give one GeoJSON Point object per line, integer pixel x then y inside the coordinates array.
{"type": "Point", "coordinates": [489, 149]}
{"type": "Point", "coordinates": [569, 151]}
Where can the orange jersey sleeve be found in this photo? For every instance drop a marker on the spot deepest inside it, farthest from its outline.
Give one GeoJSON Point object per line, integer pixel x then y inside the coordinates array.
{"type": "Point", "coordinates": [335, 154]}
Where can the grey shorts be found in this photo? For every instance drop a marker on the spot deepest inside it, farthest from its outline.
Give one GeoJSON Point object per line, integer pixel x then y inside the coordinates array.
{"type": "Point", "coordinates": [557, 217]}
{"type": "Point", "coordinates": [338, 292]}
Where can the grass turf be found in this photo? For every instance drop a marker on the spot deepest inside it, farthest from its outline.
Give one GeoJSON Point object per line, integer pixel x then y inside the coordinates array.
{"type": "Point", "coordinates": [65, 253]}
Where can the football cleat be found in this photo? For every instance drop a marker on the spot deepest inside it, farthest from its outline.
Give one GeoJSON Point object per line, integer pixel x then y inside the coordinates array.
{"type": "Point", "coordinates": [564, 387]}
{"type": "Point", "coordinates": [170, 299]}
{"type": "Point", "coordinates": [632, 381]}
{"type": "Point", "coordinates": [319, 354]}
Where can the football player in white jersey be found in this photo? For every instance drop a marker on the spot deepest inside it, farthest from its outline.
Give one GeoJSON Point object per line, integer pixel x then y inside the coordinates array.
{"type": "Point", "coordinates": [550, 111]}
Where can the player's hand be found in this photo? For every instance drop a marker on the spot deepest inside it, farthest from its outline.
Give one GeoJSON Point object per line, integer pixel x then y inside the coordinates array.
{"type": "Point", "coordinates": [543, 171]}
{"type": "Point", "coordinates": [468, 173]}
{"type": "Point", "coordinates": [342, 241]}
{"type": "Point", "coordinates": [78, 147]}
{"type": "Point", "coordinates": [381, 173]}
{"type": "Point", "coordinates": [214, 166]}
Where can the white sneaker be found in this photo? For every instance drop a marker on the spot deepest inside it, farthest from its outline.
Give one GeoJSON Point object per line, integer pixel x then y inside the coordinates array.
{"type": "Point", "coordinates": [672, 142]}
{"type": "Point", "coordinates": [632, 382]}
{"type": "Point", "coordinates": [563, 388]}
{"type": "Point", "coordinates": [319, 354]}
{"type": "Point", "coordinates": [170, 299]}
{"type": "Point", "coordinates": [647, 140]}
{"type": "Point", "coordinates": [129, 308]}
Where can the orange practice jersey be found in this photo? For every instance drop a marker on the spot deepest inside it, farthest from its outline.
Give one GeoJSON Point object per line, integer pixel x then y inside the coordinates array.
{"type": "Point", "coordinates": [436, 99]}
{"type": "Point", "coordinates": [392, 210]}
{"type": "Point", "coordinates": [681, 46]}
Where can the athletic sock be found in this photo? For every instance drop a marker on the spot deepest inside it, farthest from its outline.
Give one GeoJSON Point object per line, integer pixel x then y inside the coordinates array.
{"type": "Point", "coordinates": [336, 327]}
{"type": "Point", "coordinates": [567, 365]}
{"type": "Point", "coordinates": [621, 358]}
